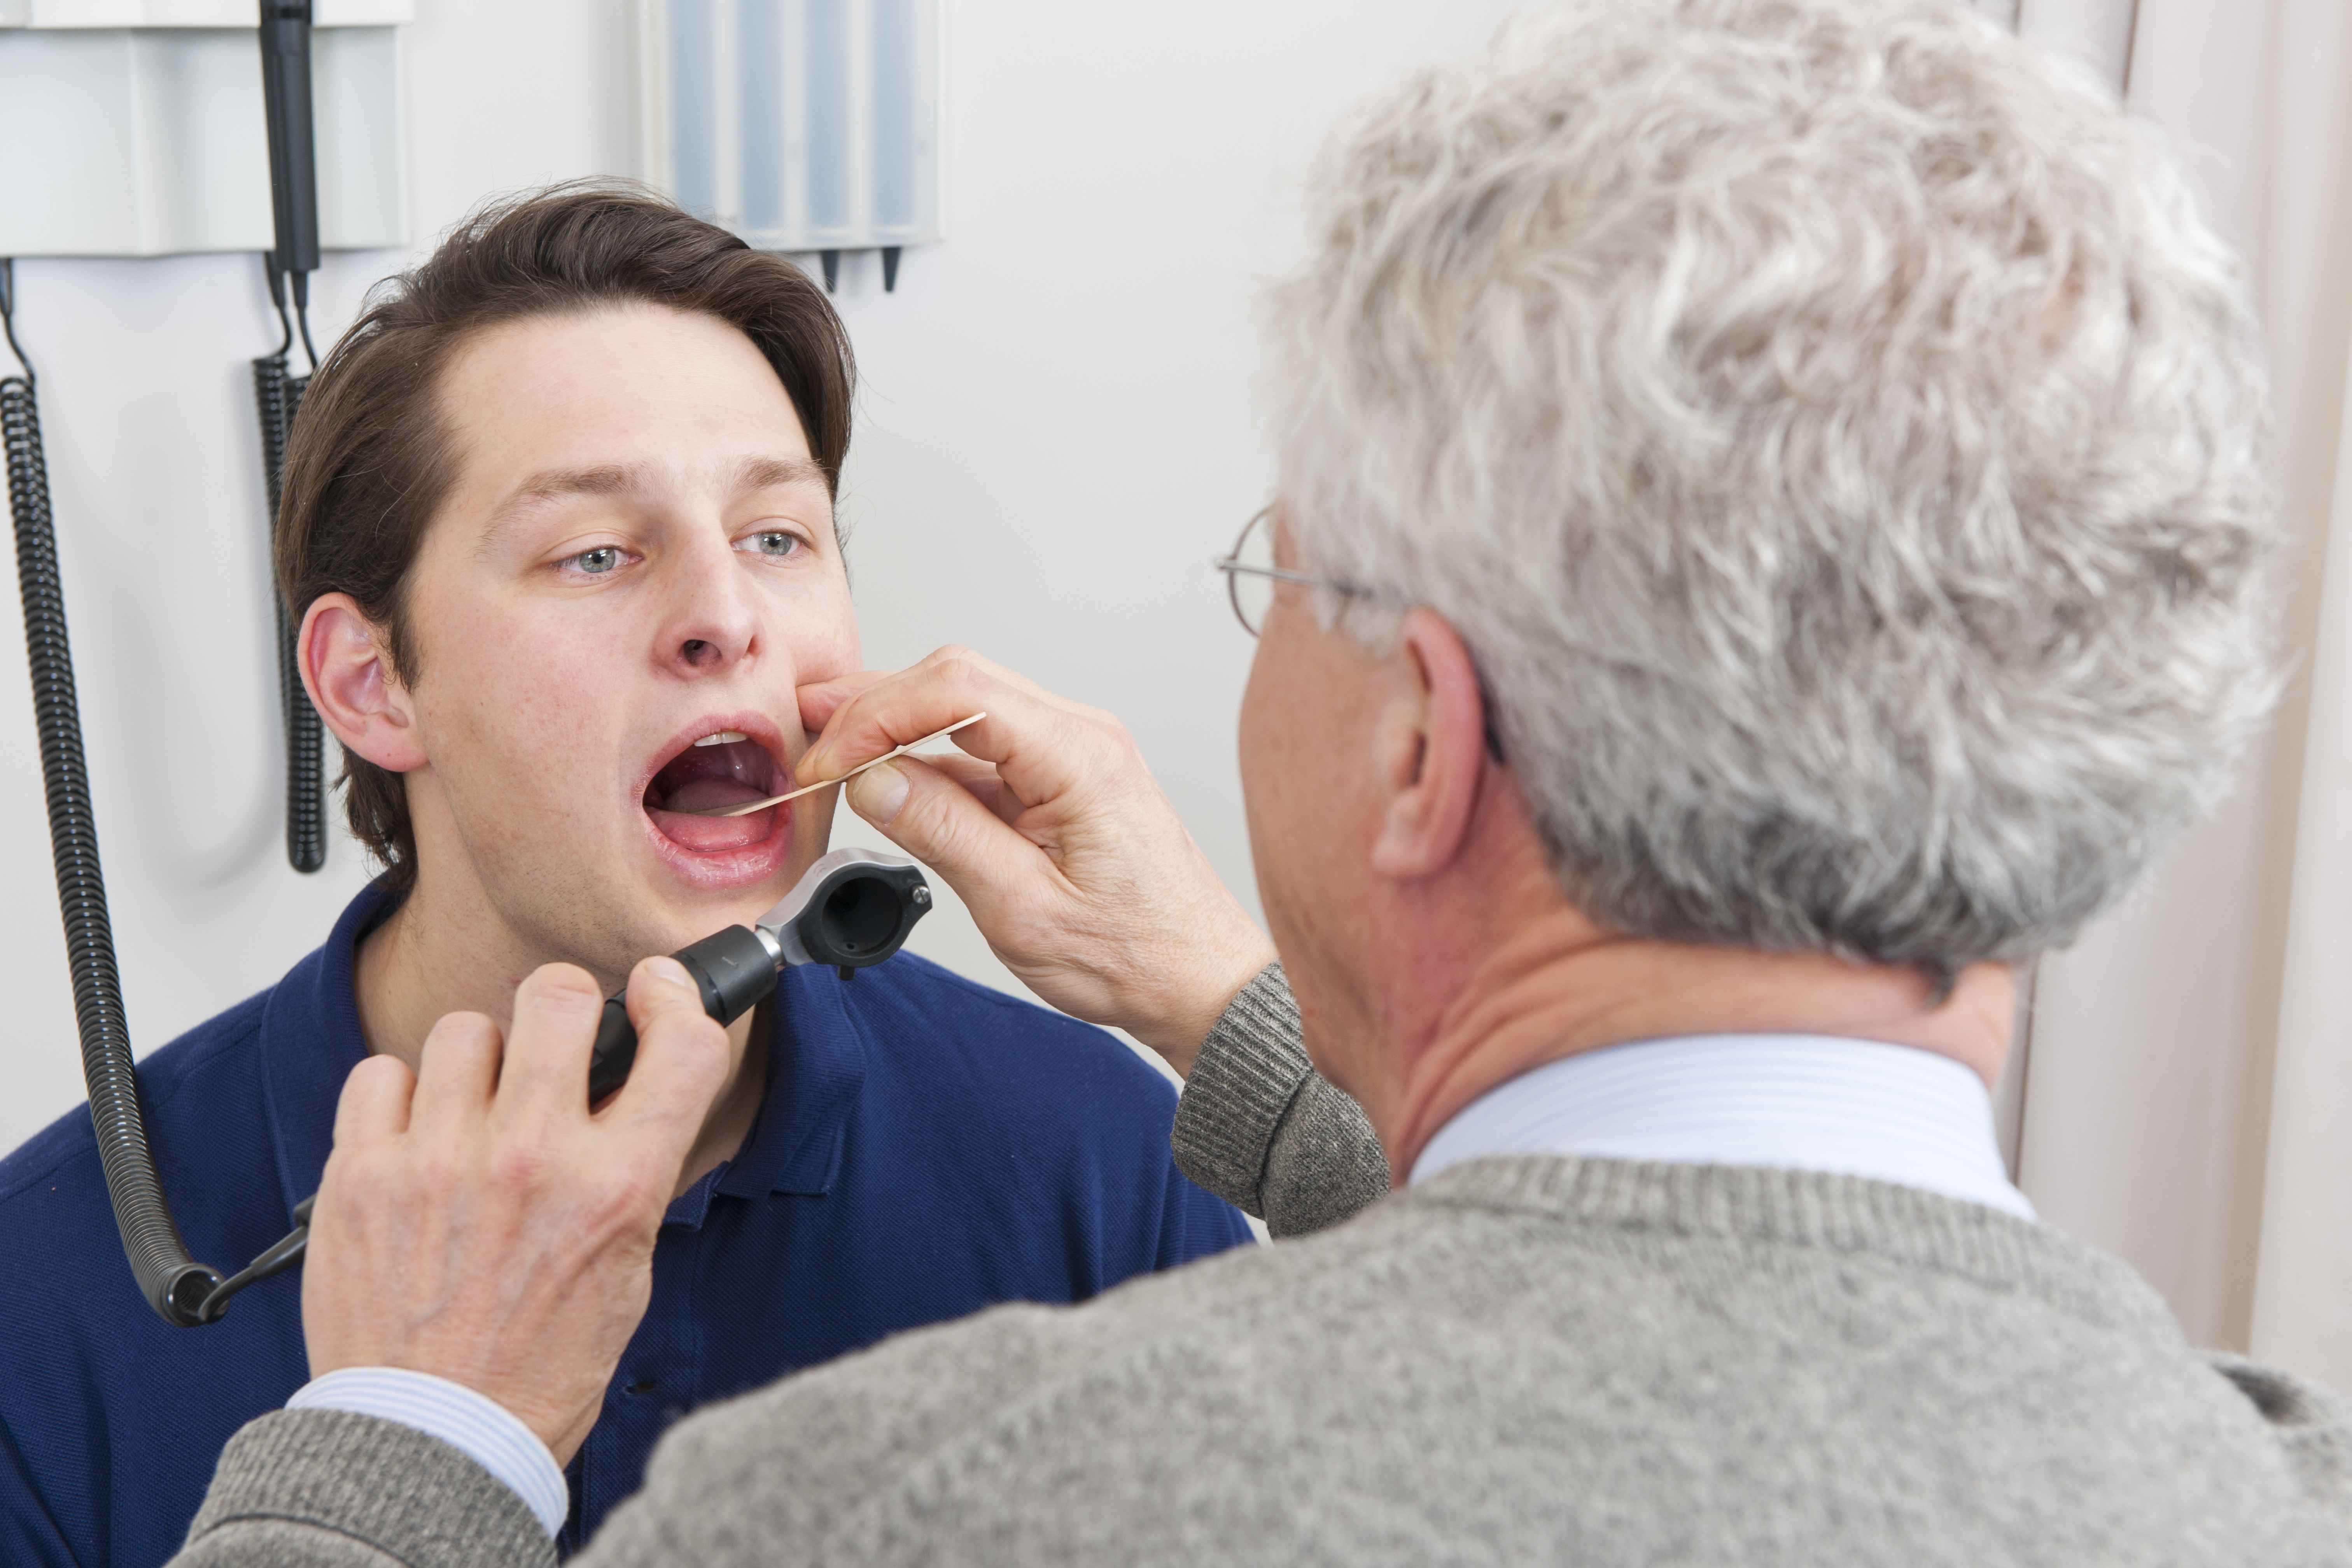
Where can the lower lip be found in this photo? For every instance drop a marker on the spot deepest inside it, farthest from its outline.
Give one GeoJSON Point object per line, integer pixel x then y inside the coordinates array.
{"type": "Point", "coordinates": [741, 867]}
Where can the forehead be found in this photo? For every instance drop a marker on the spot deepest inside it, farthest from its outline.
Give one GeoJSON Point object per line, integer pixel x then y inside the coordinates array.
{"type": "Point", "coordinates": [640, 388]}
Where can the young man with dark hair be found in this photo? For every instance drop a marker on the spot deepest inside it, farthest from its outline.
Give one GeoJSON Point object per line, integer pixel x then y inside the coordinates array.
{"type": "Point", "coordinates": [558, 522]}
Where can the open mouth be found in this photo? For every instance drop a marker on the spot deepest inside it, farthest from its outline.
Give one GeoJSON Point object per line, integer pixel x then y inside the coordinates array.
{"type": "Point", "coordinates": [716, 770]}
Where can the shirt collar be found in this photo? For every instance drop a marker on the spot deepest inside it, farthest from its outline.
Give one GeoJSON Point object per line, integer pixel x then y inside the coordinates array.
{"type": "Point", "coordinates": [1806, 1103]}
{"type": "Point", "coordinates": [310, 1040]}
{"type": "Point", "coordinates": [816, 1065]}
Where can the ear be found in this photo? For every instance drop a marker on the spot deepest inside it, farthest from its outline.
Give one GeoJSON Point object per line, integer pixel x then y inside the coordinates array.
{"type": "Point", "coordinates": [347, 669]}
{"type": "Point", "coordinates": [1431, 740]}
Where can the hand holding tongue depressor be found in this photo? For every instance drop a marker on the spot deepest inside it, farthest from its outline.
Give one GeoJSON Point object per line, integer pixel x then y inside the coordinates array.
{"type": "Point", "coordinates": [751, 806]}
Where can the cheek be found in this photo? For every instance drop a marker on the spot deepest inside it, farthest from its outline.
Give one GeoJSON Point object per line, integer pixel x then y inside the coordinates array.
{"type": "Point", "coordinates": [1253, 739]}
{"type": "Point", "coordinates": [1305, 768]}
{"type": "Point", "coordinates": [1283, 715]}
{"type": "Point", "coordinates": [819, 634]}
{"type": "Point", "coordinates": [516, 704]}
{"type": "Point", "coordinates": [1277, 765]}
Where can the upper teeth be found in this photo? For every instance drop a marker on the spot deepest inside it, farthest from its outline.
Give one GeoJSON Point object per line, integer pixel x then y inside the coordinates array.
{"type": "Point", "coordinates": [722, 738]}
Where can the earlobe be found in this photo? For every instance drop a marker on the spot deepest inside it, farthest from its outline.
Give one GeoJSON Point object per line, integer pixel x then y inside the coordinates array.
{"type": "Point", "coordinates": [1433, 749]}
{"type": "Point", "coordinates": [347, 670]}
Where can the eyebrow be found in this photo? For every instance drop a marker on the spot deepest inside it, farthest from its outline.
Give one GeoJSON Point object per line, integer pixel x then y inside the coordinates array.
{"type": "Point", "coordinates": [769, 473]}
{"type": "Point", "coordinates": [622, 479]}
{"type": "Point", "coordinates": [547, 484]}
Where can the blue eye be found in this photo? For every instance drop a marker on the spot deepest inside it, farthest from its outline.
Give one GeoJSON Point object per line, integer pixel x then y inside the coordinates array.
{"type": "Point", "coordinates": [776, 543]}
{"type": "Point", "coordinates": [598, 561]}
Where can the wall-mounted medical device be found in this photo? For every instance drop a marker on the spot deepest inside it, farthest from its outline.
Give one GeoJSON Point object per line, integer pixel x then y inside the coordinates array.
{"type": "Point", "coordinates": [146, 128]}
{"type": "Point", "coordinates": [135, 126]}
{"type": "Point", "coordinates": [802, 125]}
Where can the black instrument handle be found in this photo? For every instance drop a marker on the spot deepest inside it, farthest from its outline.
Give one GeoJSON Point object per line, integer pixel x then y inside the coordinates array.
{"type": "Point", "coordinates": [285, 114]}
{"type": "Point", "coordinates": [733, 969]}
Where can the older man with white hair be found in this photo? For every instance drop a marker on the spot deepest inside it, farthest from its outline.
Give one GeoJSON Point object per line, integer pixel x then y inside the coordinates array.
{"type": "Point", "coordinates": [1771, 537]}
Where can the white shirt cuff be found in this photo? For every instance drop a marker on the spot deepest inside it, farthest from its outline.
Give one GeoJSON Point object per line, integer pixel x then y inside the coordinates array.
{"type": "Point", "coordinates": [474, 1423]}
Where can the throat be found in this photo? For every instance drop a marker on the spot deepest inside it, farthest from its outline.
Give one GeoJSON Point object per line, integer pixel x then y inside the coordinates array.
{"type": "Point", "coordinates": [428, 960]}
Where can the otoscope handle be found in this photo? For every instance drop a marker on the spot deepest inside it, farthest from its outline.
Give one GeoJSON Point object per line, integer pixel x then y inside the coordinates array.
{"type": "Point", "coordinates": [733, 969]}
{"type": "Point", "coordinates": [285, 116]}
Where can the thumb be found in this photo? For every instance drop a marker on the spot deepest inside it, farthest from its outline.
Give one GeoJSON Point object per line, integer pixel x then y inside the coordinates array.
{"type": "Point", "coordinates": [947, 827]}
{"type": "Point", "coordinates": [683, 1056]}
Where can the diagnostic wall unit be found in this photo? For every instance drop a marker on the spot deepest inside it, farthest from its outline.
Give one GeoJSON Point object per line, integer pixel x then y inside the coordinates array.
{"type": "Point", "coordinates": [803, 125]}
{"type": "Point", "coordinates": [134, 127]}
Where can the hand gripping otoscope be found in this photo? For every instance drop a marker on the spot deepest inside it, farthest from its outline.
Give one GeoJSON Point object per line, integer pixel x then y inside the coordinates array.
{"type": "Point", "coordinates": [852, 909]}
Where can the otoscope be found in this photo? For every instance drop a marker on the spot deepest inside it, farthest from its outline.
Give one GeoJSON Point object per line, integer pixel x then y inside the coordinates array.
{"type": "Point", "coordinates": [853, 909]}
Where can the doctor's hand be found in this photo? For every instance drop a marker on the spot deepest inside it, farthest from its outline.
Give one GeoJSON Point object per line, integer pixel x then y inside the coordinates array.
{"type": "Point", "coordinates": [475, 1222]}
{"type": "Point", "coordinates": [1055, 833]}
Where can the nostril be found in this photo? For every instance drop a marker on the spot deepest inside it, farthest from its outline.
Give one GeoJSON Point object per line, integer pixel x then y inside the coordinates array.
{"type": "Point", "coordinates": [696, 650]}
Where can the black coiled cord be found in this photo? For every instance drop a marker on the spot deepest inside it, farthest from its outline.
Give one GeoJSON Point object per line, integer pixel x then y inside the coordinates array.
{"type": "Point", "coordinates": [175, 1284]}
{"type": "Point", "coordinates": [278, 396]}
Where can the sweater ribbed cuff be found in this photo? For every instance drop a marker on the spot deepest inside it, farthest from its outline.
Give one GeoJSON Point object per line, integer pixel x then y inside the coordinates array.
{"type": "Point", "coordinates": [1249, 1071]}
{"type": "Point", "coordinates": [414, 1497]}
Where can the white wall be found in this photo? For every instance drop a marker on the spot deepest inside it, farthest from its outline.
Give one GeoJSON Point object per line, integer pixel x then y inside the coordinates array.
{"type": "Point", "coordinates": [1055, 435]}
{"type": "Point", "coordinates": [1056, 432]}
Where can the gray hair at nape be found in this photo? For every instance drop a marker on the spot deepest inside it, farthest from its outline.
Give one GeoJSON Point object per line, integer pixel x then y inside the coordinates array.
{"type": "Point", "coordinates": [1836, 435]}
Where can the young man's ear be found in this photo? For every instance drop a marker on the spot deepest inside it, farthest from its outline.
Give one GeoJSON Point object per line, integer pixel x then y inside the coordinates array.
{"type": "Point", "coordinates": [1432, 749]}
{"type": "Point", "coordinates": [347, 670]}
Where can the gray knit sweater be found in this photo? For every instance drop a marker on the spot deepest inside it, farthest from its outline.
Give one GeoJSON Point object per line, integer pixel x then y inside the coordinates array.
{"type": "Point", "coordinates": [1523, 1359]}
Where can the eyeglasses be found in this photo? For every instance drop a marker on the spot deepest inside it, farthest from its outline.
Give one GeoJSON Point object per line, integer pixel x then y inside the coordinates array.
{"type": "Point", "coordinates": [1251, 573]}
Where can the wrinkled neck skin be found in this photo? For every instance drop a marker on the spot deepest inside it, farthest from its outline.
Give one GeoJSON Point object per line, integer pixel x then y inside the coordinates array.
{"type": "Point", "coordinates": [1547, 983]}
{"type": "Point", "coordinates": [443, 952]}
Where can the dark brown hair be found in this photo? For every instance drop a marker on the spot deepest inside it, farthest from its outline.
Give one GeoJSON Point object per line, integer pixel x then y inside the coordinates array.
{"type": "Point", "coordinates": [371, 456]}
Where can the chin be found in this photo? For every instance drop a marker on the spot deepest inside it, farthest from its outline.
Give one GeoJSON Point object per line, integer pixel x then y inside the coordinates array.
{"type": "Point", "coordinates": [658, 909]}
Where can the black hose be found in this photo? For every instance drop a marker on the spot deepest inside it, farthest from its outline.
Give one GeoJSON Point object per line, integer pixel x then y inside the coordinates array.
{"type": "Point", "coordinates": [278, 396]}
{"type": "Point", "coordinates": [175, 1284]}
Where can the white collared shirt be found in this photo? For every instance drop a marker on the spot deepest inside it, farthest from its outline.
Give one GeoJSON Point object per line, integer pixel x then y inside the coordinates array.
{"type": "Point", "coordinates": [1805, 1102]}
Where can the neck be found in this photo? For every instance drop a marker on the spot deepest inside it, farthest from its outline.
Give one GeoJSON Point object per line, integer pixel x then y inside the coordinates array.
{"type": "Point", "coordinates": [438, 955]}
{"type": "Point", "coordinates": [1556, 988]}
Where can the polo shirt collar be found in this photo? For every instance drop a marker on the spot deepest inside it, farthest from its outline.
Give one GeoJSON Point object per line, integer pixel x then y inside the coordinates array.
{"type": "Point", "coordinates": [311, 1040]}
{"type": "Point", "coordinates": [816, 1065]}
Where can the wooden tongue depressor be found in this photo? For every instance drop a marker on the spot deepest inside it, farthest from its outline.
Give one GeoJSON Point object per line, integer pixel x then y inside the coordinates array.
{"type": "Point", "coordinates": [748, 808]}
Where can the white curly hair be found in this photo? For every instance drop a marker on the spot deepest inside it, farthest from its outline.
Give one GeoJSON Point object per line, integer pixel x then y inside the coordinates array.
{"type": "Point", "coordinates": [1836, 435]}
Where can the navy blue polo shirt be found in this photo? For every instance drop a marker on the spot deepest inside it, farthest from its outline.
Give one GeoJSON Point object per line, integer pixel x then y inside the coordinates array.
{"type": "Point", "coordinates": [926, 1148]}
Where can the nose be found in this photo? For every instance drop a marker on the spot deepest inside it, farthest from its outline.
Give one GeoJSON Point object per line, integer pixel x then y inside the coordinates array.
{"type": "Point", "coordinates": [709, 623]}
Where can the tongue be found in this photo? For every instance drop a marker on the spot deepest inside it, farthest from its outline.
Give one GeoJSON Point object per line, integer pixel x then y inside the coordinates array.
{"type": "Point", "coordinates": [709, 792]}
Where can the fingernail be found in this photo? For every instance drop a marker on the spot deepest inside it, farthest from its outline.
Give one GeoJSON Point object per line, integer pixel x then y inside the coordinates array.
{"type": "Point", "coordinates": [877, 794]}
{"type": "Point", "coordinates": [668, 971]}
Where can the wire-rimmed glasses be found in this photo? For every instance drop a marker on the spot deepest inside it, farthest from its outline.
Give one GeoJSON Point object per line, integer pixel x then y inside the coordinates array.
{"type": "Point", "coordinates": [1251, 573]}
{"type": "Point", "coordinates": [1250, 578]}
